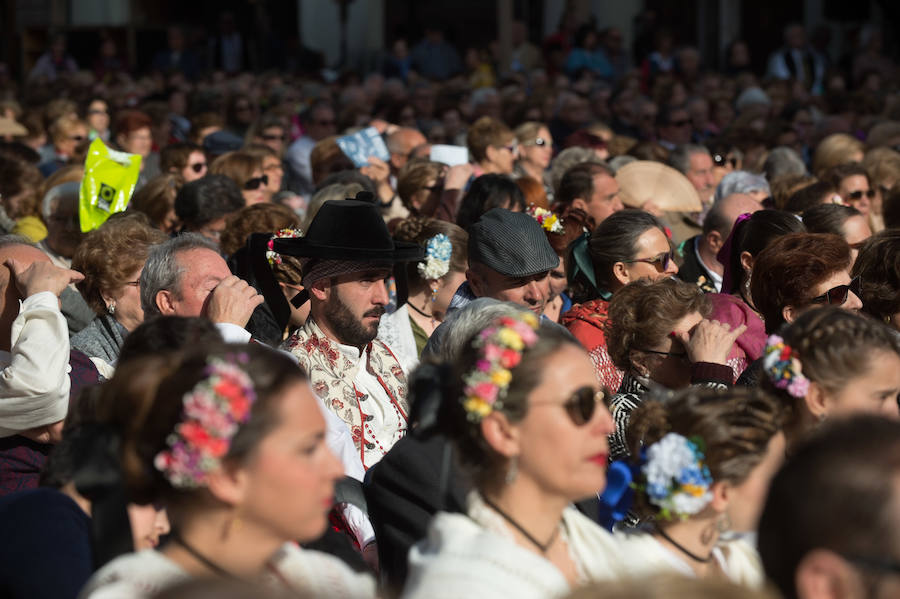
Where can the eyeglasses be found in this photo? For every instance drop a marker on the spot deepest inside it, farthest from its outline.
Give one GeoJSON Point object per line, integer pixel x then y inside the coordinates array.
{"type": "Point", "coordinates": [539, 142]}
{"type": "Point", "coordinates": [438, 186]}
{"type": "Point", "coordinates": [255, 182]}
{"type": "Point", "coordinates": [580, 407]}
{"type": "Point", "coordinates": [720, 160]}
{"type": "Point", "coordinates": [512, 148]}
{"type": "Point", "coordinates": [680, 355]}
{"type": "Point", "coordinates": [836, 296]}
{"type": "Point", "coordinates": [271, 137]}
{"type": "Point", "coordinates": [661, 262]}
{"type": "Point", "coordinates": [197, 166]}
{"type": "Point", "coordinates": [859, 193]}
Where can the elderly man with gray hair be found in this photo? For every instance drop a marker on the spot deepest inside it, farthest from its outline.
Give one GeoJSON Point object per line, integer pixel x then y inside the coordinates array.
{"type": "Point", "coordinates": [756, 186]}
{"type": "Point", "coordinates": [186, 276]}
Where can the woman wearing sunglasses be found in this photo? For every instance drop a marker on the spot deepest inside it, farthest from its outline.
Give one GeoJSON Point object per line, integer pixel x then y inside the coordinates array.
{"type": "Point", "coordinates": [528, 423]}
{"type": "Point", "coordinates": [628, 245]}
{"type": "Point", "coordinates": [659, 336]}
{"type": "Point", "coordinates": [846, 221]}
{"type": "Point", "coordinates": [701, 464]}
{"type": "Point", "coordinates": [830, 363]}
{"type": "Point", "coordinates": [245, 169]}
{"type": "Point", "coordinates": [535, 153]}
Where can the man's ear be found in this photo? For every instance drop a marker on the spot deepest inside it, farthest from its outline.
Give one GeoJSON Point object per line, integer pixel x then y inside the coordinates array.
{"type": "Point", "coordinates": [714, 241]}
{"type": "Point", "coordinates": [165, 302]}
{"type": "Point", "coordinates": [321, 289]}
{"type": "Point", "coordinates": [580, 204]}
{"type": "Point", "coordinates": [476, 283]}
{"type": "Point", "coordinates": [823, 574]}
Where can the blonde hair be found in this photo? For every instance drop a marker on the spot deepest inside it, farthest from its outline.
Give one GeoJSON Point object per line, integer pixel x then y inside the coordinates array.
{"type": "Point", "coordinates": [838, 148]}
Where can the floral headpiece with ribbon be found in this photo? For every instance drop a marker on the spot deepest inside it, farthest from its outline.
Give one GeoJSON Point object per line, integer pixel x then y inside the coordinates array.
{"type": "Point", "coordinates": [548, 221]}
{"type": "Point", "coordinates": [438, 251]}
{"type": "Point", "coordinates": [783, 367]}
{"type": "Point", "coordinates": [677, 479]}
{"type": "Point", "coordinates": [500, 348]}
{"type": "Point", "coordinates": [212, 413]}
{"type": "Point", "coordinates": [271, 255]}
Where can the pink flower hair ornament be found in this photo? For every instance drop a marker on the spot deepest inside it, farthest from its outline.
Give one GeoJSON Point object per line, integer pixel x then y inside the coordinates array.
{"type": "Point", "coordinates": [782, 365]}
{"type": "Point", "coordinates": [212, 413]}
{"type": "Point", "coordinates": [271, 255]}
{"type": "Point", "coordinates": [500, 348]}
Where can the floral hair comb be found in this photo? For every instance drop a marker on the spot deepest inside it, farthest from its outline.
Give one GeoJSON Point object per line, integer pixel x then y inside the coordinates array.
{"type": "Point", "coordinates": [213, 411]}
{"type": "Point", "coordinates": [271, 255]}
{"type": "Point", "coordinates": [783, 367]}
{"type": "Point", "coordinates": [547, 220]}
{"type": "Point", "coordinates": [500, 348]}
{"type": "Point", "coordinates": [677, 478]}
{"type": "Point", "coordinates": [437, 257]}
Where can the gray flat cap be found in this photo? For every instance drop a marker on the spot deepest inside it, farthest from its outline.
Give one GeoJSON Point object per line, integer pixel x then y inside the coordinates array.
{"type": "Point", "coordinates": [512, 243]}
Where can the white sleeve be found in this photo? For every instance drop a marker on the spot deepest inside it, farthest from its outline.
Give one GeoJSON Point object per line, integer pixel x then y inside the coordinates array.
{"type": "Point", "coordinates": [232, 333]}
{"type": "Point", "coordinates": [34, 385]}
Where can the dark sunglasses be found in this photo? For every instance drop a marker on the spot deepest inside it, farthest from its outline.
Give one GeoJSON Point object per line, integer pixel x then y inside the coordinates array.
{"type": "Point", "coordinates": [438, 186]}
{"type": "Point", "coordinates": [682, 355]}
{"type": "Point", "coordinates": [197, 166]}
{"type": "Point", "coordinates": [720, 160]}
{"type": "Point", "coordinates": [836, 296]}
{"type": "Point", "coordinates": [539, 142]}
{"type": "Point", "coordinates": [255, 182]}
{"type": "Point", "coordinates": [580, 407]}
{"type": "Point", "coordinates": [859, 193]}
{"type": "Point", "coordinates": [661, 262]}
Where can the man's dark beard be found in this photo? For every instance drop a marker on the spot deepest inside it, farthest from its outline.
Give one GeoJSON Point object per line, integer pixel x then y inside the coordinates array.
{"type": "Point", "coordinates": [349, 329]}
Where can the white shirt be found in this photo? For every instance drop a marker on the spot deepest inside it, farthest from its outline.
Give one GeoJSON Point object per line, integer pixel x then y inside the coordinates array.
{"type": "Point", "coordinates": [34, 381]}
{"type": "Point", "coordinates": [715, 278]}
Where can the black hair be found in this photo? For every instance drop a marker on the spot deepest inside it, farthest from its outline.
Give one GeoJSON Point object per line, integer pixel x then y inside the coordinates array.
{"type": "Point", "coordinates": [208, 199]}
{"type": "Point", "coordinates": [754, 234]}
{"type": "Point", "coordinates": [488, 192]}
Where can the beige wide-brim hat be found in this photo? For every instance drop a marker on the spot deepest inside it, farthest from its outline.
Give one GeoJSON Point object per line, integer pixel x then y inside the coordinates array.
{"type": "Point", "coordinates": [10, 127]}
{"type": "Point", "coordinates": [645, 180]}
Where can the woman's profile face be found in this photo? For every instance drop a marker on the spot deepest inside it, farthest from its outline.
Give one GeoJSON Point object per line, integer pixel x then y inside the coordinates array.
{"type": "Point", "coordinates": [874, 391]}
{"type": "Point", "coordinates": [148, 524]}
{"type": "Point", "coordinates": [288, 482]}
{"type": "Point", "coordinates": [563, 459]}
{"type": "Point", "coordinates": [671, 368]}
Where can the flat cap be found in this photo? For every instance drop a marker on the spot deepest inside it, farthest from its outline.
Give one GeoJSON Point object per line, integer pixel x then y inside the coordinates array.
{"type": "Point", "coordinates": [511, 243]}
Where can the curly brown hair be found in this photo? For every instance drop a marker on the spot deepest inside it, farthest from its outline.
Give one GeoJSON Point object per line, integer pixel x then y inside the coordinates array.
{"type": "Point", "coordinates": [735, 425]}
{"type": "Point", "coordinates": [258, 218]}
{"type": "Point", "coordinates": [643, 313]}
{"type": "Point", "coordinates": [237, 166]}
{"type": "Point", "coordinates": [109, 256]}
{"type": "Point", "coordinates": [156, 198]}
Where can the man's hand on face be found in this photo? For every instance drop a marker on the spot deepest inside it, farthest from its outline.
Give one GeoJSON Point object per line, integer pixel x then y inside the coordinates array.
{"type": "Point", "coordinates": [41, 276]}
{"type": "Point", "coordinates": [233, 301]}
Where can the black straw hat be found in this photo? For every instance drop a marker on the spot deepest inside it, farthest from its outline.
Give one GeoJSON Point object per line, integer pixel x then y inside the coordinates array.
{"type": "Point", "coordinates": [351, 230]}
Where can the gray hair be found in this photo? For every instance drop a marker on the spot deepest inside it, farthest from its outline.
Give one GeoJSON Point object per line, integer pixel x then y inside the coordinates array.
{"type": "Point", "coordinates": [567, 159]}
{"type": "Point", "coordinates": [680, 158]}
{"type": "Point", "coordinates": [783, 161]}
{"type": "Point", "coordinates": [335, 191]}
{"type": "Point", "coordinates": [448, 341]}
{"type": "Point", "coordinates": [53, 196]}
{"type": "Point", "coordinates": [163, 273]}
{"type": "Point", "coordinates": [740, 182]}
{"type": "Point", "coordinates": [618, 162]}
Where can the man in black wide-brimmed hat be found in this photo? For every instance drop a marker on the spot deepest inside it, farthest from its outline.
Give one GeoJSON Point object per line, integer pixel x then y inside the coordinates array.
{"type": "Point", "coordinates": [347, 253]}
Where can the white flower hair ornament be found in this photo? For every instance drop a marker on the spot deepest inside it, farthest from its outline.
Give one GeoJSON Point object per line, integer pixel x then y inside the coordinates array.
{"type": "Point", "coordinates": [677, 479]}
{"type": "Point", "coordinates": [437, 258]}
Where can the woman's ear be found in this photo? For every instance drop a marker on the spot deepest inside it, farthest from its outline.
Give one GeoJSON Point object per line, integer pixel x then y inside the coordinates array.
{"type": "Point", "coordinates": [500, 434]}
{"type": "Point", "coordinates": [825, 575]}
{"type": "Point", "coordinates": [790, 314]}
{"type": "Point", "coordinates": [228, 484]}
{"type": "Point", "coordinates": [816, 401]}
{"type": "Point", "coordinates": [640, 363]}
{"type": "Point", "coordinates": [721, 495]}
{"type": "Point", "coordinates": [747, 261]}
{"type": "Point", "coordinates": [620, 272]}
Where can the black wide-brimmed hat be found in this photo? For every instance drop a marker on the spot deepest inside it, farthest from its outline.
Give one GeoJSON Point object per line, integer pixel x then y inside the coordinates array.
{"type": "Point", "coordinates": [350, 230]}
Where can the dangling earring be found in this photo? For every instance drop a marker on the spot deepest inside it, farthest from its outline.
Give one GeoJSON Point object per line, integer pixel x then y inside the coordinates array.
{"type": "Point", "coordinates": [233, 525]}
{"type": "Point", "coordinates": [433, 297]}
{"type": "Point", "coordinates": [723, 523]}
{"type": "Point", "coordinates": [111, 309]}
{"type": "Point", "coordinates": [747, 283]}
{"type": "Point", "coordinates": [513, 471]}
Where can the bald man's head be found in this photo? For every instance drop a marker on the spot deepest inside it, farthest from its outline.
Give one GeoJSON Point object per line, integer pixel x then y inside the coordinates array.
{"type": "Point", "coordinates": [725, 212]}
{"type": "Point", "coordinates": [401, 143]}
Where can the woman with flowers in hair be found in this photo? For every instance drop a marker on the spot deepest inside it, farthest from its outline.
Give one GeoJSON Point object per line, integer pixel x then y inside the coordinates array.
{"type": "Point", "coordinates": [831, 363]}
{"type": "Point", "coordinates": [528, 423]}
{"type": "Point", "coordinates": [432, 283]}
{"type": "Point", "coordinates": [231, 440]}
{"type": "Point", "coordinates": [700, 468]}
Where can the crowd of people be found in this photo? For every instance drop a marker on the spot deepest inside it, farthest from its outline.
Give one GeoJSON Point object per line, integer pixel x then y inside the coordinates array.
{"type": "Point", "coordinates": [281, 374]}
